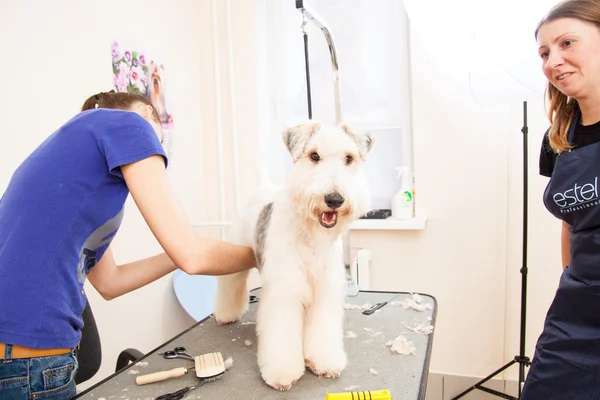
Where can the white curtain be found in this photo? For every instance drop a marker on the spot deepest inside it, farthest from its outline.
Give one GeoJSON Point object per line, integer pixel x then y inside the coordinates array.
{"type": "Point", "coordinates": [370, 38]}
{"type": "Point", "coordinates": [372, 48]}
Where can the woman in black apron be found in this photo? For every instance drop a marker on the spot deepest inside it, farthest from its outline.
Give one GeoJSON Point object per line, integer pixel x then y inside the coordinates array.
{"type": "Point", "coordinates": [566, 363]}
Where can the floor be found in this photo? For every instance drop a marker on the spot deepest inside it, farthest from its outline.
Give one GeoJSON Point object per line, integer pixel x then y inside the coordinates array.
{"type": "Point", "coordinates": [445, 387]}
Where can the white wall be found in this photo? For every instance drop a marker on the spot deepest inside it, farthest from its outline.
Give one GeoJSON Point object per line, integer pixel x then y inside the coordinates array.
{"type": "Point", "coordinates": [467, 161]}
{"type": "Point", "coordinates": [469, 184]}
{"type": "Point", "coordinates": [469, 79]}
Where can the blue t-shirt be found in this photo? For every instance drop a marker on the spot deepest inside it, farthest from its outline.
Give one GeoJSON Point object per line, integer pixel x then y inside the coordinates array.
{"type": "Point", "coordinates": [61, 210]}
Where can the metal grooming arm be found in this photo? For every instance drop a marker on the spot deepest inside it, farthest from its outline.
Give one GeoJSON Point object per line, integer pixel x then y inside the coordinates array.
{"type": "Point", "coordinates": [319, 23]}
{"type": "Point", "coordinates": [311, 15]}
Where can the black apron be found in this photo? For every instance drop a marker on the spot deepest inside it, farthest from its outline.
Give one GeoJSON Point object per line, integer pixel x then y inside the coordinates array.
{"type": "Point", "coordinates": [566, 363]}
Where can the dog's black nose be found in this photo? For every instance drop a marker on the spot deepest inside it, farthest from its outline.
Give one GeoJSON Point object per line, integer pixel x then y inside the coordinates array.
{"type": "Point", "coordinates": [334, 200]}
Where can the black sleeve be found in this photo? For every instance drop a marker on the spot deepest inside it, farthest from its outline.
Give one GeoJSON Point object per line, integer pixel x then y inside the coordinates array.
{"type": "Point", "coordinates": [547, 157]}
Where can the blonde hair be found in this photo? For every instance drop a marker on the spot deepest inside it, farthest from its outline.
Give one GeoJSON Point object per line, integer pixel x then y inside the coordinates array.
{"type": "Point", "coordinates": [562, 108]}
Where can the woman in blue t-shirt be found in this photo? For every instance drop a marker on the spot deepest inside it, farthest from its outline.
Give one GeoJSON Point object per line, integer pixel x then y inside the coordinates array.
{"type": "Point", "coordinates": [61, 209]}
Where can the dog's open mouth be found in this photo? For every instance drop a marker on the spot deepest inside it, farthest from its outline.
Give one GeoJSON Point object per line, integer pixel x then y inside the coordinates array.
{"type": "Point", "coordinates": [328, 219]}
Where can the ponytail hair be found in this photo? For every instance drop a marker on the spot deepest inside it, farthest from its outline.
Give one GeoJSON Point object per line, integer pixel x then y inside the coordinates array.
{"type": "Point", "coordinates": [117, 100]}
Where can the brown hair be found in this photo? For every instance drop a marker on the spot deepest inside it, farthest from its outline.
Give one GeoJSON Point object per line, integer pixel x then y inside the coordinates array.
{"type": "Point", "coordinates": [562, 109]}
{"type": "Point", "coordinates": [119, 101]}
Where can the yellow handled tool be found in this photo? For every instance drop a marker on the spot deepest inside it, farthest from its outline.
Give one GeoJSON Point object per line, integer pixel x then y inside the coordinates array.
{"type": "Point", "coordinates": [366, 395]}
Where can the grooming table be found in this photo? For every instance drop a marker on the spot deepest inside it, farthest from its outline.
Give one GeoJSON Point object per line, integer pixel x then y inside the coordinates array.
{"type": "Point", "coordinates": [371, 363]}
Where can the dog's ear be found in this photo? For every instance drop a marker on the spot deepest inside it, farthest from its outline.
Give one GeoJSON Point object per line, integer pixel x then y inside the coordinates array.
{"type": "Point", "coordinates": [296, 138]}
{"type": "Point", "coordinates": [364, 141]}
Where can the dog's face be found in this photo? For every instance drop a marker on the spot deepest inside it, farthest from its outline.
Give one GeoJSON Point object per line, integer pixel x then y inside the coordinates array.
{"type": "Point", "coordinates": [155, 81]}
{"type": "Point", "coordinates": [328, 182]}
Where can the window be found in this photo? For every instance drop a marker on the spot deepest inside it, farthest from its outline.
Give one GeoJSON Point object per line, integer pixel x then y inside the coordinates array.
{"type": "Point", "coordinates": [371, 41]}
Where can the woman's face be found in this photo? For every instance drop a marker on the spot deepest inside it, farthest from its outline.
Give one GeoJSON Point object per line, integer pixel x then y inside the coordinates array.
{"type": "Point", "coordinates": [146, 111]}
{"type": "Point", "coordinates": [570, 52]}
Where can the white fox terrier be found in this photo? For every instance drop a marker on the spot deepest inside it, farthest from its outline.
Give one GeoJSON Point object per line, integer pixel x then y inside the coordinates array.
{"type": "Point", "coordinates": [296, 233]}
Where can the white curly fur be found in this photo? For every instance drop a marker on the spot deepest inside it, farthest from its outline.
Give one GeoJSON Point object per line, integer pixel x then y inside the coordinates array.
{"type": "Point", "coordinates": [300, 312]}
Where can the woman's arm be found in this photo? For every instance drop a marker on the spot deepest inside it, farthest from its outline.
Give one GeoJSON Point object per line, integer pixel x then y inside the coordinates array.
{"type": "Point", "coordinates": [149, 187]}
{"type": "Point", "coordinates": [112, 281]}
{"type": "Point", "coordinates": [565, 247]}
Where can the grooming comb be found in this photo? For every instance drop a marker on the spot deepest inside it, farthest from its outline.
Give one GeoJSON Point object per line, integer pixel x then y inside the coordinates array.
{"type": "Point", "coordinates": [207, 365]}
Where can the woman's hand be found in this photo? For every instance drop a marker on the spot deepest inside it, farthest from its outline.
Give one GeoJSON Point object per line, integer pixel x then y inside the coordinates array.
{"type": "Point", "coordinates": [149, 187]}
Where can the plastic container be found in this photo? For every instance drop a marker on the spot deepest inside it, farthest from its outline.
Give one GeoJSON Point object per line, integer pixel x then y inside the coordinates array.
{"type": "Point", "coordinates": [402, 202]}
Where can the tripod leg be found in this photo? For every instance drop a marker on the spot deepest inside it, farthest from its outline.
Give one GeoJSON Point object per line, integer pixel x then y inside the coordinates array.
{"type": "Point", "coordinates": [521, 378]}
{"type": "Point", "coordinates": [487, 378]}
{"type": "Point", "coordinates": [522, 365]}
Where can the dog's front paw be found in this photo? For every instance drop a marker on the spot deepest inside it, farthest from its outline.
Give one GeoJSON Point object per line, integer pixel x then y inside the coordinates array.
{"type": "Point", "coordinates": [328, 364]}
{"type": "Point", "coordinates": [282, 376]}
{"type": "Point", "coordinates": [227, 315]}
{"type": "Point", "coordinates": [228, 310]}
{"type": "Point", "coordinates": [231, 302]}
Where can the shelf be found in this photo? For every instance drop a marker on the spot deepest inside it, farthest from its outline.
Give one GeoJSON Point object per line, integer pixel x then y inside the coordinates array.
{"type": "Point", "coordinates": [388, 224]}
{"type": "Point", "coordinates": [417, 223]}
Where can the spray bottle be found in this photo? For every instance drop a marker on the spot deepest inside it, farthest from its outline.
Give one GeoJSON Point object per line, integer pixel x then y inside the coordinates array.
{"type": "Point", "coordinates": [402, 203]}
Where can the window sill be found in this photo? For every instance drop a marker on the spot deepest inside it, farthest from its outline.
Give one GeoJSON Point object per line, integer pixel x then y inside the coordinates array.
{"type": "Point", "coordinates": [417, 223]}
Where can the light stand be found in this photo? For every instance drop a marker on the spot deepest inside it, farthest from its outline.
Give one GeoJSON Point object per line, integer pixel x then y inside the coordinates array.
{"type": "Point", "coordinates": [521, 359]}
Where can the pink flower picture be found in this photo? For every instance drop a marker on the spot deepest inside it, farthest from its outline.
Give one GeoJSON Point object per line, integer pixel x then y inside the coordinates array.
{"type": "Point", "coordinates": [133, 73]}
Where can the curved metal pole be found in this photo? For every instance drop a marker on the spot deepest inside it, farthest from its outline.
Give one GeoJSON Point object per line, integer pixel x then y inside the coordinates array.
{"type": "Point", "coordinates": [318, 21]}
{"type": "Point", "coordinates": [352, 289]}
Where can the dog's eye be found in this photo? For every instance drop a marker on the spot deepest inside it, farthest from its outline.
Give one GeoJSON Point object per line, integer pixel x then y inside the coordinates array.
{"type": "Point", "coordinates": [315, 157]}
{"type": "Point", "coordinates": [348, 160]}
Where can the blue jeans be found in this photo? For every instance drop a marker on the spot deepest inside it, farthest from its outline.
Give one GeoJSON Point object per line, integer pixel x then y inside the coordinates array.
{"type": "Point", "coordinates": [51, 377]}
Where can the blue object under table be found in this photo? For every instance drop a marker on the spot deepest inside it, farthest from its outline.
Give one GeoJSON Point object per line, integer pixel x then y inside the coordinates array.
{"type": "Point", "coordinates": [372, 365]}
{"type": "Point", "coordinates": [195, 293]}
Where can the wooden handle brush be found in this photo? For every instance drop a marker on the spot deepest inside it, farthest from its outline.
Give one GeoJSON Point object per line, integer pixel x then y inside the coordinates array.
{"type": "Point", "coordinates": [162, 375]}
{"type": "Point", "coordinates": [206, 366]}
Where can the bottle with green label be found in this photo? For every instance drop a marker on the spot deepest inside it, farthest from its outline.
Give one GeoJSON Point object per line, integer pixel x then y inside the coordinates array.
{"type": "Point", "coordinates": [402, 202]}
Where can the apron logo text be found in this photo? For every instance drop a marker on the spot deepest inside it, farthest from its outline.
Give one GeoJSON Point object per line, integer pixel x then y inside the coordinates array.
{"type": "Point", "coordinates": [578, 198]}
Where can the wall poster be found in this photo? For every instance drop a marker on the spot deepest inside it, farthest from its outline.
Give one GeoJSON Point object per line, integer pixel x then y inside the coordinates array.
{"type": "Point", "coordinates": [134, 71]}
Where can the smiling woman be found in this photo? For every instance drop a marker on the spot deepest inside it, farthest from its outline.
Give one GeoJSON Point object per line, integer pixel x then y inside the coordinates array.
{"type": "Point", "coordinates": [569, 47]}
{"type": "Point", "coordinates": [568, 349]}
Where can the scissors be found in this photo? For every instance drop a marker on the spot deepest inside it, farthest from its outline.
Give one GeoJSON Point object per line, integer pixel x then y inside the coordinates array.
{"type": "Point", "coordinates": [177, 352]}
{"type": "Point", "coordinates": [181, 392]}
{"type": "Point", "coordinates": [176, 395]}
